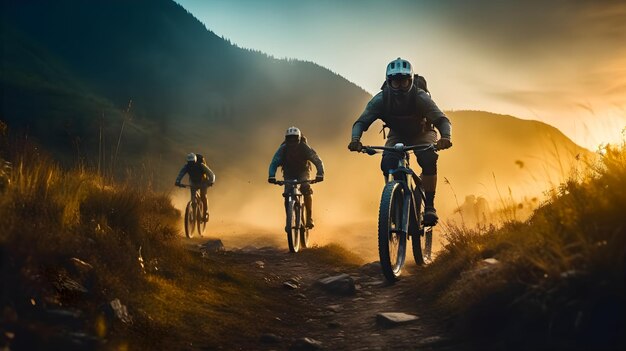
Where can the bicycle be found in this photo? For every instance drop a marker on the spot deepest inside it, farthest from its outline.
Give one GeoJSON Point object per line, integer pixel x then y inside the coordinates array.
{"type": "Point", "coordinates": [401, 213]}
{"type": "Point", "coordinates": [297, 232]}
{"type": "Point", "coordinates": [193, 214]}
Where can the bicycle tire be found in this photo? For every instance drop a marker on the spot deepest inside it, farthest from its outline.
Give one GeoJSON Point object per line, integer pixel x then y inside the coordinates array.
{"type": "Point", "coordinates": [200, 215]}
{"type": "Point", "coordinates": [391, 244]}
{"type": "Point", "coordinates": [422, 242]}
{"type": "Point", "coordinates": [189, 221]}
{"type": "Point", "coordinates": [293, 234]}
{"type": "Point", "coordinates": [304, 231]}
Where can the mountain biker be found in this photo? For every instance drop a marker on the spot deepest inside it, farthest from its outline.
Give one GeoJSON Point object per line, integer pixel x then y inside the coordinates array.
{"type": "Point", "coordinates": [410, 114]}
{"type": "Point", "coordinates": [200, 177]}
{"type": "Point", "coordinates": [293, 156]}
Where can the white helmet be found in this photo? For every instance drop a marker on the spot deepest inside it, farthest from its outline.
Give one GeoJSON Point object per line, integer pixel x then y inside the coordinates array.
{"type": "Point", "coordinates": [399, 68]}
{"type": "Point", "coordinates": [293, 131]}
{"type": "Point", "coordinates": [191, 157]}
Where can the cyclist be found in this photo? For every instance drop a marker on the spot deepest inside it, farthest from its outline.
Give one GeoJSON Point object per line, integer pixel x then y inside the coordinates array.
{"type": "Point", "coordinates": [200, 177]}
{"type": "Point", "coordinates": [293, 156]}
{"type": "Point", "coordinates": [410, 114]}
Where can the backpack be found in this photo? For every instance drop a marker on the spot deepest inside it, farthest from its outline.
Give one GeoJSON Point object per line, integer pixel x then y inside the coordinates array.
{"type": "Point", "coordinates": [303, 141]}
{"type": "Point", "coordinates": [200, 160]}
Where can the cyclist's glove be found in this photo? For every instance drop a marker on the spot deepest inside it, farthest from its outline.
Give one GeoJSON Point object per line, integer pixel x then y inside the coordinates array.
{"type": "Point", "coordinates": [271, 180]}
{"type": "Point", "coordinates": [355, 145]}
{"type": "Point", "coordinates": [444, 143]}
{"type": "Point", "coordinates": [319, 178]}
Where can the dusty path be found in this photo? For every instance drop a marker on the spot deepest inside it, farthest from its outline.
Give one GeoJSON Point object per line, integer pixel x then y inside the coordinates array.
{"type": "Point", "coordinates": [338, 322]}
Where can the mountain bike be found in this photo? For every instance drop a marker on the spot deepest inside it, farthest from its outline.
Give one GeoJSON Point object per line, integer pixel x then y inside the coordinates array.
{"type": "Point", "coordinates": [401, 212]}
{"type": "Point", "coordinates": [295, 209]}
{"type": "Point", "coordinates": [194, 222]}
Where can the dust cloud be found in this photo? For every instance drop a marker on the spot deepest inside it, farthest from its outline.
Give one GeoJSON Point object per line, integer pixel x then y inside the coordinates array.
{"type": "Point", "coordinates": [478, 184]}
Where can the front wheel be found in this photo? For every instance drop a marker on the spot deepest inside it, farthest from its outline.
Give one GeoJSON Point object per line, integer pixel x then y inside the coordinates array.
{"type": "Point", "coordinates": [200, 216]}
{"type": "Point", "coordinates": [292, 227]}
{"type": "Point", "coordinates": [391, 238]}
{"type": "Point", "coordinates": [190, 220]}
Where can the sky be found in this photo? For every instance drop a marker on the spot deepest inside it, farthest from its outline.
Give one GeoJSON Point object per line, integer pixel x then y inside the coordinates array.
{"type": "Point", "coordinates": [562, 62]}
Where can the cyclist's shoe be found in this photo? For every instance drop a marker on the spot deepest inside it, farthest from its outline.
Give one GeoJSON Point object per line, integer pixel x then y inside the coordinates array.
{"type": "Point", "coordinates": [205, 218]}
{"type": "Point", "coordinates": [310, 224]}
{"type": "Point", "coordinates": [430, 216]}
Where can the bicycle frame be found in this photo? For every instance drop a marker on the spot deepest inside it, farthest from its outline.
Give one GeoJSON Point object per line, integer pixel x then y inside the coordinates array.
{"type": "Point", "coordinates": [410, 181]}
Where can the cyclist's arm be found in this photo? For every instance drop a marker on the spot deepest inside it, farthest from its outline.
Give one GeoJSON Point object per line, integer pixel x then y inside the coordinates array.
{"type": "Point", "coordinates": [317, 161]}
{"type": "Point", "coordinates": [372, 112]}
{"type": "Point", "coordinates": [277, 160]}
{"type": "Point", "coordinates": [209, 173]}
{"type": "Point", "coordinates": [434, 115]}
{"type": "Point", "coordinates": [181, 174]}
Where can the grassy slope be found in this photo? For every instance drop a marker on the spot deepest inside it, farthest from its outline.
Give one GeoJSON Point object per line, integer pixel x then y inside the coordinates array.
{"type": "Point", "coordinates": [560, 280]}
{"type": "Point", "coordinates": [48, 216]}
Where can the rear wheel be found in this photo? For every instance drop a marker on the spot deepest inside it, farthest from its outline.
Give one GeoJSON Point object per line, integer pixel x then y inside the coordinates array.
{"type": "Point", "coordinates": [200, 216]}
{"type": "Point", "coordinates": [292, 227]}
{"type": "Point", "coordinates": [190, 220]}
{"type": "Point", "coordinates": [423, 246]}
{"type": "Point", "coordinates": [422, 243]}
{"type": "Point", "coordinates": [304, 231]}
{"type": "Point", "coordinates": [391, 239]}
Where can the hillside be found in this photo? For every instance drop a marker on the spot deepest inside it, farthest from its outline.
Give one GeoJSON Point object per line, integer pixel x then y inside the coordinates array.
{"type": "Point", "coordinates": [187, 85]}
{"type": "Point", "coordinates": [154, 84]}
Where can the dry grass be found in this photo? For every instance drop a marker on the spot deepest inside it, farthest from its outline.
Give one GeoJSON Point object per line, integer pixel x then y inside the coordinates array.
{"type": "Point", "coordinates": [560, 279]}
{"type": "Point", "coordinates": [49, 216]}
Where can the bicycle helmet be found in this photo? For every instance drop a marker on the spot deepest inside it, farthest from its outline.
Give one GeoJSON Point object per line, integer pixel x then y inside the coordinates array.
{"type": "Point", "coordinates": [399, 76]}
{"type": "Point", "coordinates": [293, 131]}
{"type": "Point", "coordinates": [191, 157]}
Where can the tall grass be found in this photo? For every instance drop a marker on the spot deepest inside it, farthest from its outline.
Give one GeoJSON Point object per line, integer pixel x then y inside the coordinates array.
{"type": "Point", "coordinates": [560, 276]}
{"type": "Point", "coordinates": [128, 235]}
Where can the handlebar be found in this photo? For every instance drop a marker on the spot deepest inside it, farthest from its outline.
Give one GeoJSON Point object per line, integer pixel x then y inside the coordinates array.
{"type": "Point", "coordinates": [189, 185]}
{"type": "Point", "coordinates": [372, 150]}
{"type": "Point", "coordinates": [295, 182]}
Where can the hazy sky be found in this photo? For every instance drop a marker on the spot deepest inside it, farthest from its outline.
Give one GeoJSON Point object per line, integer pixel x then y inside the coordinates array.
{"type": "Point", "coordinates": [560, 61]}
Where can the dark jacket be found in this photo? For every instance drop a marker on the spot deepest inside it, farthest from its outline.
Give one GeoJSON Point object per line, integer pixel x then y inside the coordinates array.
{"type": "Point", "coordinates": [407, 116]}
{"type": "Point", "coordinates": [196, 172]}
{"type": "Point", "coordinates": [295, 160]}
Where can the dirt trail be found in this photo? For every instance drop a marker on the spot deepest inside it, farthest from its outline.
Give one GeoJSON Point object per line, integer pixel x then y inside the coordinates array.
{"type": "Point", "coordinates": [338, 322]}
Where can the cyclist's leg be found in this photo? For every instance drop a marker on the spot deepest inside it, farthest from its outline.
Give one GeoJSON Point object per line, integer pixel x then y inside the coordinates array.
{"type": "Point", "coordinates": [307, 193]}
{"type": "Point", "coordinates": [428, 161]}
{"type": "Point", "coordinates": [205, 202]}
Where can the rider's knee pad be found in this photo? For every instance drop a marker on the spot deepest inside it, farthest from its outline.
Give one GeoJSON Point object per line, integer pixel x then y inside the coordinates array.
{"type": "Point", "coordinates": [428, 161]}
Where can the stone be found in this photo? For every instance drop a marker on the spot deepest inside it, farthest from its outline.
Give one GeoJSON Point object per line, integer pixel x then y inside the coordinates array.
{"type": "Point", "coordinates": [393, 319]}
{"type": "Point", "coordinates": [342, 284]}
{"type": "Point", "coordinates": [301, 296]}
{"type": "Point", "coordinates": [211, 245]}
{"type": "Point", "coordinates": [431, 340]}
{"type": "Point", "coordinates": [491, 260]}
{"type": "Point", "coordinates": [290, 285]}
{"type": "Point", "coordinates": [371, 269]}
{"type": "Point", "coordinates": [81, 265]}
{"type": "Point", "coordinates": [117, 309]}
{"type": "Point", "coordinates": [305, 344]}
{"type": "Point", "coordinates": [260, 264]}
{"type": "Point", "coordinates": [65, 284]}
{"type": "Point", "coordinates": [334, 308]}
